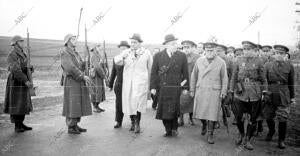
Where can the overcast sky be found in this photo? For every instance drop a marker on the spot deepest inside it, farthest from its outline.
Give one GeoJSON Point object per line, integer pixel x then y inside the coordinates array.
{"type": "Point", "coordinates": [225, 19]}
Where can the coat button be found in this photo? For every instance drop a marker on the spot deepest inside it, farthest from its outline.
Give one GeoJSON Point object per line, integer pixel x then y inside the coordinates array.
{"type": "Point", "coordinates": [164, 83]}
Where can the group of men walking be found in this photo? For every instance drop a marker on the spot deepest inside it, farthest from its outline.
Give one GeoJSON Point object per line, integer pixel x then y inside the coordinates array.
{"type": "Point", "coordinates": [257, 83]}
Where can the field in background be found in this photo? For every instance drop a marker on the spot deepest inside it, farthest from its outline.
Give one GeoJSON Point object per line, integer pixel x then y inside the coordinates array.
{"type": "Point", "coordinates": [44, 53]}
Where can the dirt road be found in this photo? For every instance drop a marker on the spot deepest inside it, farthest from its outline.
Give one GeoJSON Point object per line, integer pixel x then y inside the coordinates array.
{"type": "Point", "coordinates": [50, 136]}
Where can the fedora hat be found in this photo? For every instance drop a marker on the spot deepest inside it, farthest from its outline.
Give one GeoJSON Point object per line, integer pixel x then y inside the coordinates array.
{"type": "Point", "coordinates": [137, 37]}
{"type": "Point", "coordinates": [169, 38]}
{"type": "Point", "coordinates": [124, 43]}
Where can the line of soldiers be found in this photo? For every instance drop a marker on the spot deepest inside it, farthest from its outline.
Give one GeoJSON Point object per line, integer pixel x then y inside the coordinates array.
{"type": "Point", "coordinates": [252, 82]}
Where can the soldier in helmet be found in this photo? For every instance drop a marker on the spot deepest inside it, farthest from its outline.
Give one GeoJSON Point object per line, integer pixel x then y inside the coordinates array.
{"type": "Point", "coordinates": [77, 101]}
{"type": "Point", "coordinates": [17, 101]}
{"type": "Point", "coordinates": [248, 82]}
{"type": "Point", "coordinates": [280, 77]}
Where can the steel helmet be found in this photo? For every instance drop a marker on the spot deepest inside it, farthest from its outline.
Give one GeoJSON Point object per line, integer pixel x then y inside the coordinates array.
{"type": "Point", "coordinates": [15, 39]}
{"type": "Point", "coordinates": [67, 38]}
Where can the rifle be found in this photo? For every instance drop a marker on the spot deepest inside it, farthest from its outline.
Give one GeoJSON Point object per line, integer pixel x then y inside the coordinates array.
{"type": "Point", "coordinates": [87, 53]}
{"type": "Point", "coordinates": [29, 74]}
{"type": "Point", "coordinates": [106, 63]}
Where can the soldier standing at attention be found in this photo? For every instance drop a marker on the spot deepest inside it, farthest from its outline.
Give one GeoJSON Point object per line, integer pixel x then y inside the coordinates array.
{"type": "Point", "coordinates": [17, 101]}
{"type": "Point", "coordinates": [249, 81]}
{"type": "Point", "coordinates": [280, 77]}
{"type": "Point", "coordinates": [76, 101]}
{"type": "Point", "coordinates": [98, 75]}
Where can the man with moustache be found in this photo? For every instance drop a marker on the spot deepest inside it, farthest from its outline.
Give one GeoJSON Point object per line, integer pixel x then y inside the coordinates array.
{"type": "Point", "coordinates": [208, 86]}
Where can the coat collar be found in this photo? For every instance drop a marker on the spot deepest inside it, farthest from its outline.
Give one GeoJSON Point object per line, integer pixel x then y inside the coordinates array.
{"type": "Point", "coordinates": [209, 66]}
{"type": "Point", "coordinates": [20, 52]}
{"type": "Point", "coordinates": [73, 53]}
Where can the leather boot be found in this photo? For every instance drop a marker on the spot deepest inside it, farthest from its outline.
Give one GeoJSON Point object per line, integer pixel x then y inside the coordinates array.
{"type": "Point", "coordinates": [250, 131]}
{"type": "Point", "coordinates": [240, 140]}
{"type": "Point", "coordinates": [281, 134]}
{"type": "Point", "coordinates": [80, 129]}
{"type": "Point", "coordinates": [18, 127]}
{"type": "Point", "coordinates": [204, 127]}
{"type": "Point", "coordinates": [259, 128]}
{"type": "Point", "coordinates": [132, 118]}
{"type": "Point", "coordinates": [191, 121]}
{"type": "Point", "coordinates": [271, 126]}
{"type": "Point", "coordinates": [118, 125]}
{"type": "Point", "coordinates": [247, 144]}
{"type": "Point", "coordinates": [137, 125]}
{"type": "Point", "coordinates": [181, 121]}
{"type": "Point", "coordinates": [73, 130]}
{"type": "Point", "coordinates": [26, 128]}
{"type": "Point", "coordinates": [210, 137]}
{"type": "Point", "coordinates": [240, 126]}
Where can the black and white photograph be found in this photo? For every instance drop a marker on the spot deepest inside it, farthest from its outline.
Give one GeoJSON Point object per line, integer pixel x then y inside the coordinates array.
{"type": "Point", "coordinates": [150, 77]}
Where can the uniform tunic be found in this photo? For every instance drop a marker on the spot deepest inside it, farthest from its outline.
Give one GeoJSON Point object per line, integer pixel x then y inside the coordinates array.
{"type": "Point", "coordinates": [17, 96]}
{"type": "Point", "coordinates": [280, 76]}
{"type": "Point", "coordinates": [191, 59]}
{"type": "Point", "coordinates": [248, 79]}
{"type": "Point", "coordinates": [136, 75]}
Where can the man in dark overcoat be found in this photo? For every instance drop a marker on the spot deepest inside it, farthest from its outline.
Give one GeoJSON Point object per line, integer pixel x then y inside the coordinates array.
{"type": "Point", "coordinates": [116, 80]}
{"type": "Point", "coordinates": [17, 101]}
{"type": "Point", "coordinates": [169, 72]}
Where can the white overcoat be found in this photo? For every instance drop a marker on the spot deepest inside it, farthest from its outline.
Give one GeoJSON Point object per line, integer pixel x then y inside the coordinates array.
{"type": "Point", "coordinates": [136, 79]}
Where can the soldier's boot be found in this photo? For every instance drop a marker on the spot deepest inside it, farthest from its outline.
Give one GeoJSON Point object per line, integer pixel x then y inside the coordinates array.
{"type": "Point", "coordinates": [80, 129]}
{"type": "Point", "coordinates": [240, 140]}
{"type": "Point", "coordinates": [247, 143]}
{"type": "Point", "coordinates": [281, 134]}
{"type": "Point", "coordinates": [250, 131]}
{"type": "Point", "coordinates": [271, 126]}
{"type": "Point", "coordinates": [137, 128]}
{"type": "Point", "coordinates": [18, 127]}
{"type": "Point", "coordinates": [132, 118]}
{"type": "Point", "coordinates": [73, 130]}
{"type": "Point", "coordinates": [204, 127]}
{"type": "Point", "coordinates": [191, 121]}
{"type": "Point", "coordinates": [26, 128]}
{"type": "Point", "coordinates": [210, 137]}
{"type": "Point", "coordinates": [240, 126]}
{"type": "Point", "coordinates": [259, 128]}
{"type": "Point", "coordinates": [181, 121]}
